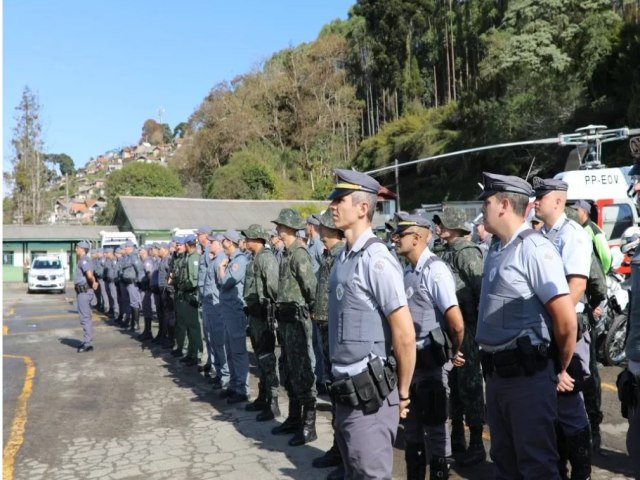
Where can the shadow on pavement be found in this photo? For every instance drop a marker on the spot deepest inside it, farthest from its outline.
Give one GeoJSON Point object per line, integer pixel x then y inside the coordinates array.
{"type": "Point", "coordinates": [612, 461]}
{"type": "Point", "coordinates": [70, 342]}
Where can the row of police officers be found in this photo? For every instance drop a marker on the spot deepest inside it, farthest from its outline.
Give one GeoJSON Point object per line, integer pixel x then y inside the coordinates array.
{"type": "Point", "coordinates": [396, 344]}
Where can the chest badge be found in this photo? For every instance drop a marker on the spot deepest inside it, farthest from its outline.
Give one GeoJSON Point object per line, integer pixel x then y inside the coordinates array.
{"type": "Point", "coordinates": [339, 291]}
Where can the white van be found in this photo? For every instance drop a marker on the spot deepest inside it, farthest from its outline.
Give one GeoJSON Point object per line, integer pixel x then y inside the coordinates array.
{"type": "Point", "coordinates": [115, 239]}
{"type": "Point", "coordinates": [46, 274]}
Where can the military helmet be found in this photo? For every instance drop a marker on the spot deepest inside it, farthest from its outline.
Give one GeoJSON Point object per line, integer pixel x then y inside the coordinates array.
{"type": "Point", "coordinates": [454, 218]}
{"type": "Point", "coordinates": [326, 220]}
{"type": "Point", "coordinates": [254, 232]}
{"type": "Point", "coordinates": [289, 218]}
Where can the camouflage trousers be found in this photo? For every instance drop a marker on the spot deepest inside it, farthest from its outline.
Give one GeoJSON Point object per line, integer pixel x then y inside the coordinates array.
{"type": "Point", "coordinates": [188, 325]}
{"type": "Point", "coordinates": [296, 360]}
{"type": "Point", "coordinates": [323, 330]}
{"type": "Point", "coordinates": [467, 394]}
{"type": "Point", "coordinates": [265, 354]}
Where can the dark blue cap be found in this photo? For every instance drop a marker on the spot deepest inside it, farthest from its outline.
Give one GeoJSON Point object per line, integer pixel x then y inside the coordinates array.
{"type": "Point", "coordinates": [494, 183]}
{"type": "Point", "coordinates": [108, 250]}
{"type": "Point", "coordinates": [84, 244]}
{"type": "Point", "coordinates": [203, 229]}
{"type": "Point", "coordinates": [232, 236]}
{"type": "Point", "coordinates": [313, 220]}
{"type": "Point", "coordinates": [191, 238]}
{"type": "Point", "coordinates": [405, 220]}
{"type": "Point", "coordinates": [129, 243]}
{"type": "Point", "coordinates": [543, 186]}
{"type": "Point", "coordinates": [348, 181]}
{"type": "Point", "coordinates": [216, 237]}
{"type": "Point", "coordinates": [583, 204]}
{"type": "Point", "coordinates": [179, 240]}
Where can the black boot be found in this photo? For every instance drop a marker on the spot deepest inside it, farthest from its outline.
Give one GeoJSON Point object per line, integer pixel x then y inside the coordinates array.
{"type": "Point", "coordinates": [169, 340]}
{"type": "Point", "coordinates": [438, 468]}
{"type": "Point", "coordinates": [332, 458]}
{"type": "Point", "coordinates": [135, 319]}
{"type": "Point", "coordinates": [415, 458]}
{"type": "Point", "coordinates": [260, 403]}
{"type": "Point", "coordinates": [146, 334]}
{"type": "Point", "coordinates": [307, 432]}
{"type": "Point", "coordinates": [118, 321]}
{"type": "Point", "coordinates": [579, 452]}
{"type": "Point", "coordinates": [458, 442]}
{"type": "Point", "coordinates": [270, 411]}
{"type": "Point", "coordinates": [596, 439]}
{"type": "Point", "coordinates": [475, 453]}
{"type": "Point", "coordinates": [293, 421]}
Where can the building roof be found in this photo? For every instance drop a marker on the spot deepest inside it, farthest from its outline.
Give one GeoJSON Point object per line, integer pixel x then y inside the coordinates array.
{"type": "Point", "coordinates": [48, 233]}
{"type": "Point", "coordinates": [166, 213]}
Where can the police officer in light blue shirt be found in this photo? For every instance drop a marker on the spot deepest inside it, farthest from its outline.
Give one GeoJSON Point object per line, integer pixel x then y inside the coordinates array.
{"type": "Point", "coordinates": [524, 303]}
{"type": "Point", "coordinates": [212, 319]}
{"type": "Point", "coordinates": [132, 274]}
{"type": "Point", "coordinates": [231, 271]}
{"type": "Point", "coordinates": [575, 248]}
{"type": "Point", "coordinates": [431, 293]}
{"type": "Point", "coordinates": [368, 314]}
{"type": "Point", "coordinates": [84, 284]}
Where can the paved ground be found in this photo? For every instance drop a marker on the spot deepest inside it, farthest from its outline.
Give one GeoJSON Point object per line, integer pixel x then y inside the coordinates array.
{"type": "Point", "coordinates": [126, 411]}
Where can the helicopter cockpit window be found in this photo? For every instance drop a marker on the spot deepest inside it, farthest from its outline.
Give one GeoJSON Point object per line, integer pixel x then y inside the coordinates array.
{"type": "Point", "coordinates": [616, 219]}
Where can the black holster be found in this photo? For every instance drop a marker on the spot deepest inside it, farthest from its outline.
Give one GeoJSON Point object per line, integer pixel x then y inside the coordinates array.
{"type": "Point", "coordinates": [628, 391]}
{"type": "Point", "coordinates": [368, 389]}
{"type": "Point", "coordinates": [288, 312]}
{"type": "Point", "coordinates": [80, 288]}
{"type": "Point", "coordinates": [526, 359]}
{"type": "Point", "coordinates": [436, 353]}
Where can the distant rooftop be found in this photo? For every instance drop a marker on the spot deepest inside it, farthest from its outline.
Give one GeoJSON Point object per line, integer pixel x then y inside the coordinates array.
{"type": "Point", "coordinates": [34, 233]}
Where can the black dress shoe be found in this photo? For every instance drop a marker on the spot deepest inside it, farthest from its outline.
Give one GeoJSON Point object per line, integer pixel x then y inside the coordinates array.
{"type": "Point", "coordinates": [217, 384]}
{"type": "Point", "coordinates": [190, 362]}
{"type": "Point", "coordinates": [226, 393]}
{"type": "Point", "coordinates": [177, 352]}
{"type": "Point", "coordinates": [237, 398]}
{"type": "Point", "coordinates": [85, 348]}
{"type": "Point", "coordinates": [206, 368]}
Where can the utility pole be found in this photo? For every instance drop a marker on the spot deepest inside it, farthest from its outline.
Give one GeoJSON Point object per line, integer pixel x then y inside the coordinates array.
{"type": "Point", "coordinates": [395, 162]}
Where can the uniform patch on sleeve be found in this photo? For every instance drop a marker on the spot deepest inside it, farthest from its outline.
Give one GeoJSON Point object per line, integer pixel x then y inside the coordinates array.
{"type": "Point", "coordinates": [548, 256]}
{"type": "Point", "coordinates": [437, 277]}
{"type": "Point", "coordinates": [379, 266]}
{"type": "Point", "coordinates": [234, 267]}
{"type": "Point", "coordinates": [195, 262]}
{"type": "Point", "coordinates": [409, 292]}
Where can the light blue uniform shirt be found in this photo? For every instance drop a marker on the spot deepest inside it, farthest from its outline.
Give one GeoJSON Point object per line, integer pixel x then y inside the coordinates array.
{"type": "Point", "coordinates": [232, 282]}
{"type": "Point", "coordinates": [316, 248]}
{"type": "Point", "coordinates": [511, 277]}
{"type": "Point", "coordinates": [377, 282]}
{"type": "Point", "coordinates": [84, 265]}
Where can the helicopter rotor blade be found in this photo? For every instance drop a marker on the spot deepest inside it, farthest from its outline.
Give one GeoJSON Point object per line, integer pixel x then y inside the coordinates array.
{"type": "Point", "coordinates": [554, 140]}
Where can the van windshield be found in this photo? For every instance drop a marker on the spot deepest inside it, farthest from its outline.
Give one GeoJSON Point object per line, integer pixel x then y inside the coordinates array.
{"type": "Point", "coordinates": [43, 264]}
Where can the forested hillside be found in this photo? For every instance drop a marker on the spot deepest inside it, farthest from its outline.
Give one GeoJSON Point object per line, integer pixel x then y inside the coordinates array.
{"type": "Point", "coordinates": [402, 79]}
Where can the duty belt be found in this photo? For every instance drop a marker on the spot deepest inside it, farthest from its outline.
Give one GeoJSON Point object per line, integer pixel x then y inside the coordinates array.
{"type": "Point", "coordinates": [366, 390]}
{"type": "Point", "coordinates": [81, 288]}
{"type": "Point", "coordinates": [525, 360]}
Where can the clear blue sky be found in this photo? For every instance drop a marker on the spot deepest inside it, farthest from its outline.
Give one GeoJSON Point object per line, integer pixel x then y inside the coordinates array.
{"type": "Point", "coordinates": [101, 68]}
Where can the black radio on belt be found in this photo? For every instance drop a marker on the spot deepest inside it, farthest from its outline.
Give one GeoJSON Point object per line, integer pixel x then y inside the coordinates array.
{"type": "Point", "coordinates": [80, 288]}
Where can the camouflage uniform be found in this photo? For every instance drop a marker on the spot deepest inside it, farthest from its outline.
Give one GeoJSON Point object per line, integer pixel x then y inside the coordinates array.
{"type": "Point", "coordinates": [296, 294]}
{"type": "Point", "coordinates": [260, 293]}
{"type": "Point", "coordinates": [466, 383]}
{"type": "Point", "coordinates": [187, 306]}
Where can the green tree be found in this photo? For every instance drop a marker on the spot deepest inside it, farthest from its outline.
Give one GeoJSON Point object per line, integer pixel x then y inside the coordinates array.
{"type": "Point", "coordinates": [140, 180]}
{"type": "Point", "coordinates": [245, 176]}
{"type": "Point", "coordinates": [64, 162]}
{"type": "Point", "coordinates": [29, 170]}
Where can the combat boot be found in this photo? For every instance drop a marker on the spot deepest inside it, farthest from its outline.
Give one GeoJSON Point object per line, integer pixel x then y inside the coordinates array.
{"type": "Point", "coordinates": [260, 403]}
{"type": "Point", "coordinates": [475, 453]}
{"type": "Point", "coordinates": [579, 453]}
{"type": "Point", "coordinates": [415, 457]}
{"type": "Point", "coordinates": [270, 411]}
{"type": "Point", "coordinates": [146, 334]}
{"type": "Point", "coordinates": [307, 432]}
{"type": "Point", "coordinates": [118, 321]}
{"type": "Point", "coordinates": [458, 442]}
{"type": "Point", "coordinates": [293, 421]}
{"type": "Point", "coordinates": [438, 468]}
{"type": "Point", "coordinates": [332, 458]}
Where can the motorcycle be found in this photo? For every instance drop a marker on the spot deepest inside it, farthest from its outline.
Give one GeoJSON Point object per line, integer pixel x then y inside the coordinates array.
{"type": "Point", "coordinates": [610, 330]}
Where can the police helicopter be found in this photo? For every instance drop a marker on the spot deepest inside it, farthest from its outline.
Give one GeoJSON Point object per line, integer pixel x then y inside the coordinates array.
{"type": "Point", "coordinates": [610, 191]}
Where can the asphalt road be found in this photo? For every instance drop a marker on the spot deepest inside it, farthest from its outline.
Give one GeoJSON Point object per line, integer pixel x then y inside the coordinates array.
{"type": "Point", "coordinates": [127, 411]}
